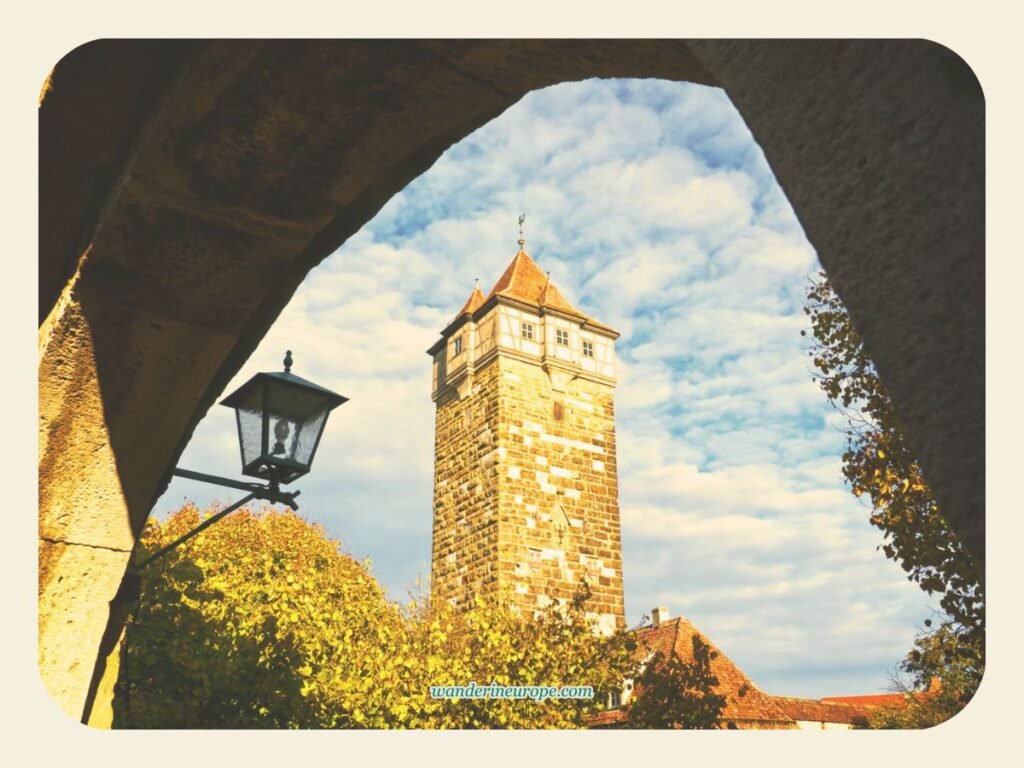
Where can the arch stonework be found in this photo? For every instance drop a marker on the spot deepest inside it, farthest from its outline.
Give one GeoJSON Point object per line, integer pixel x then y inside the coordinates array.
{"type": "Point", "coordinates": [187, 188]}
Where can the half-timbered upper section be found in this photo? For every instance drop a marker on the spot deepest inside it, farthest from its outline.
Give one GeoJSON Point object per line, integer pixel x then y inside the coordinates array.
{"type": "Point", "coordinates": [524, 316]}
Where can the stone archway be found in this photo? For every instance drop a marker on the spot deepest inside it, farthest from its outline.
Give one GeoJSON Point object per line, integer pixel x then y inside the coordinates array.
{"type": "Point", "coordinates": [187, 187]}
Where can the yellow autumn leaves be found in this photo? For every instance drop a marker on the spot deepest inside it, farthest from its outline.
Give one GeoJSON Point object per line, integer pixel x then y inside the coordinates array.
{"type": "Point", "coordinates": [262, 621]}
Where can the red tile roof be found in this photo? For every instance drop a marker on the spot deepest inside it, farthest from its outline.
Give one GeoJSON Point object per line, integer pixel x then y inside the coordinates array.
{"type": "Point", "coordinates": [473, 303]}
{"type": "Point", "coordinates": [870, 700]}
{"type": "Point", "coordinates": [524, 281]}
{"type": "Point", "coordinates": [747, 706]}
{"type": "Point", "coordinates": [610, 718]}
{"type": "Point", "coordinates": [824, 711]}
{"type": "Point", "coordinates": [745, 703]}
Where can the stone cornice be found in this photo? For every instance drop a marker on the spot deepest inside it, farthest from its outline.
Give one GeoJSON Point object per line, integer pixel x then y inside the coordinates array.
{"type": "Point", "coordinates": [541, 362]}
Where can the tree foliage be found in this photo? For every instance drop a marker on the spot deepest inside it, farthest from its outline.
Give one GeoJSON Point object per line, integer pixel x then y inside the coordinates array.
{"type": "Point", "coordinates": [944, 669]}
{"type": "Point", "coordinates": [257, 622]}
{"type": "Point", "coordinates": [491, 643]}
{"type": "Point", "coordinates": [262, 622]}
{"type": "Point", "coordinates": [880, 465]}
{"type": "Point", "coordinates": [673, 693]}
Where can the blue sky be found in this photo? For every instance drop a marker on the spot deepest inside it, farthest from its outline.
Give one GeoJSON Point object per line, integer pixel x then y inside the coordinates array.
{"type": "Point", "coordinates": [655, 212]}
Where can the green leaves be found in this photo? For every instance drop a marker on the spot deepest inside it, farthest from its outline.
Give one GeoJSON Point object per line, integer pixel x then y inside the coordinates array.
{"type": "Point", "coordinates": [673, 693]}
{"type": "Point", "coordinates": [879, 464]}
{"type": "Point", "coordinates": [261, 622]}
{"type": "Point", "coordinates": [945, 667]}
{"type": "Point", "coordinates": [881, 467]}
{"type": "Point", "coordinates": [243, 639]}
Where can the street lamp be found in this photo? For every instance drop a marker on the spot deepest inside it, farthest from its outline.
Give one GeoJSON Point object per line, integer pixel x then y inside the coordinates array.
{"type": "Point", "coordinates": [281, 418]}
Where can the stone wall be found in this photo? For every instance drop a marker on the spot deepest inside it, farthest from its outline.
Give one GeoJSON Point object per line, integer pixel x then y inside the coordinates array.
{"type": "Point", "coordinates": [467, 485]}
{"type": "Point", "coordinates": [526, 491]}
{"type": "Point", "coordinates": [559, 509]}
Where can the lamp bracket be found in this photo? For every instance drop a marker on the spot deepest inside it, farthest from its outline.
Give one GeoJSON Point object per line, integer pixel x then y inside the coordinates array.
{"type": "Point", "coordinates": [271, 493]}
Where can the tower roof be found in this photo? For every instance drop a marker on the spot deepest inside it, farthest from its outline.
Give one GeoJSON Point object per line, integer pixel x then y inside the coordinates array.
{"type": "Point", "coordinates": [524, 281]}
{"type": "Point", "coordinates": [473, 303]}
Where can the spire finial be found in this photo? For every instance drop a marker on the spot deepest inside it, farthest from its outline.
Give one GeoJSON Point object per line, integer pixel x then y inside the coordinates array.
{"type": "Point", "coordinates": [522, 240]}
{"type": "Point", "coordinates": [288, 361]}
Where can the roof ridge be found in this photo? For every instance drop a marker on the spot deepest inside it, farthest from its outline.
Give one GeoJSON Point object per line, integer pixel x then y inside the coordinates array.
{"type": "Point", "coordinates": [544, 290]}
{"type": "Point", "coordinates": [812, 701]}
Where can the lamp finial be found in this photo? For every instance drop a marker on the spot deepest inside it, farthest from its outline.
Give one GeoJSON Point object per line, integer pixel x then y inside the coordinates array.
{"type": "Point", "coordinates": [288, 361]}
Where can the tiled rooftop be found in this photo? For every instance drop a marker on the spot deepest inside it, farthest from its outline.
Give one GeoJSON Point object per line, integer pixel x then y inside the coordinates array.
{"type": "Point", "coordinates": [524, 281]}
{"type": "Point", "coordinates": [747, 706]}
{"type": "Point", "coordinates": [745, 703]}
{"type": "Point", "coordinates": [824, 711]}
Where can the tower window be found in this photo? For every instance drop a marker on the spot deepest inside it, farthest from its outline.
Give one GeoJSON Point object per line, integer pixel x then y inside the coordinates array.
{"type": "Point", "coordinates": [527, 330]}
{"type": "Point", "coordinates": [533, 561]}
{"type": "Point", "coordinates": [588, 349]}
{"type": "Point", "coordinates": [457, 347]}
{"type": "Point", "coordinates": [562, 337]}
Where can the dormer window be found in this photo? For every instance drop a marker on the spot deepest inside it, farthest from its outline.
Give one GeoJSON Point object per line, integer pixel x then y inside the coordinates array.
{"type": "Point", "coordinates": [588, 349]}
{"type": "Point", "coordinates": [457, 347]}
{"type": "Point", "coordinates": [562, 337]}
{"type": "Point", "coordinates": [620, 696]}
{"type": "Point", "coordinates": [528, 330]}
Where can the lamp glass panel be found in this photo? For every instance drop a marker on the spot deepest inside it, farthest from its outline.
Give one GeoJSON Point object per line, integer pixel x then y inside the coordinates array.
{"type": "Point", "coordinates": [295, 440]}
{"type": "Point", "coordinates": [307, 436]}
{"type": "Point", "coordinates": [250, 432]}
{"type": "Point", "coordinates": [281, 441]}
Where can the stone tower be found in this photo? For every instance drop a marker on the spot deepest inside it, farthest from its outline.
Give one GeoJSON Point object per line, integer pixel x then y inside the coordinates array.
{"type": "Point", "coordinates": [525, 482]}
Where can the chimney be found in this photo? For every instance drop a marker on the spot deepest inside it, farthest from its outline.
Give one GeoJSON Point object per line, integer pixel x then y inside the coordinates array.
{"type": "Point", "coordinates": [659, 615]}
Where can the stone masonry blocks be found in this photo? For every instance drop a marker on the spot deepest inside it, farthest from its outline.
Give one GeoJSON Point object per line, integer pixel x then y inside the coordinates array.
{"type": "Point", "coordinates": [533, 507]}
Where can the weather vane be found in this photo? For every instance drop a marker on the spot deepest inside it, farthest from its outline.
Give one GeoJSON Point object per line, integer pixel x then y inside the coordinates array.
{"type": "Point", "coordinates": [522, 241]}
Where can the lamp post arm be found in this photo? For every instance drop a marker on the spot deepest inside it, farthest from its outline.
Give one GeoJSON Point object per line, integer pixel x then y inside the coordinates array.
{"type": "Point", "coordinates": [205, 524]}
{"type": "Point", "coordinates": [272, 493]}
{"type": "Point", "coordinates": [256, 491]}
{"type": "Point", "coordinates": [204, 478]}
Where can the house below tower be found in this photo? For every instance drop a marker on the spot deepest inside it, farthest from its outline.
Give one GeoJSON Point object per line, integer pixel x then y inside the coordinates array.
{"type": "Point", "coordinates": [747, 707]}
